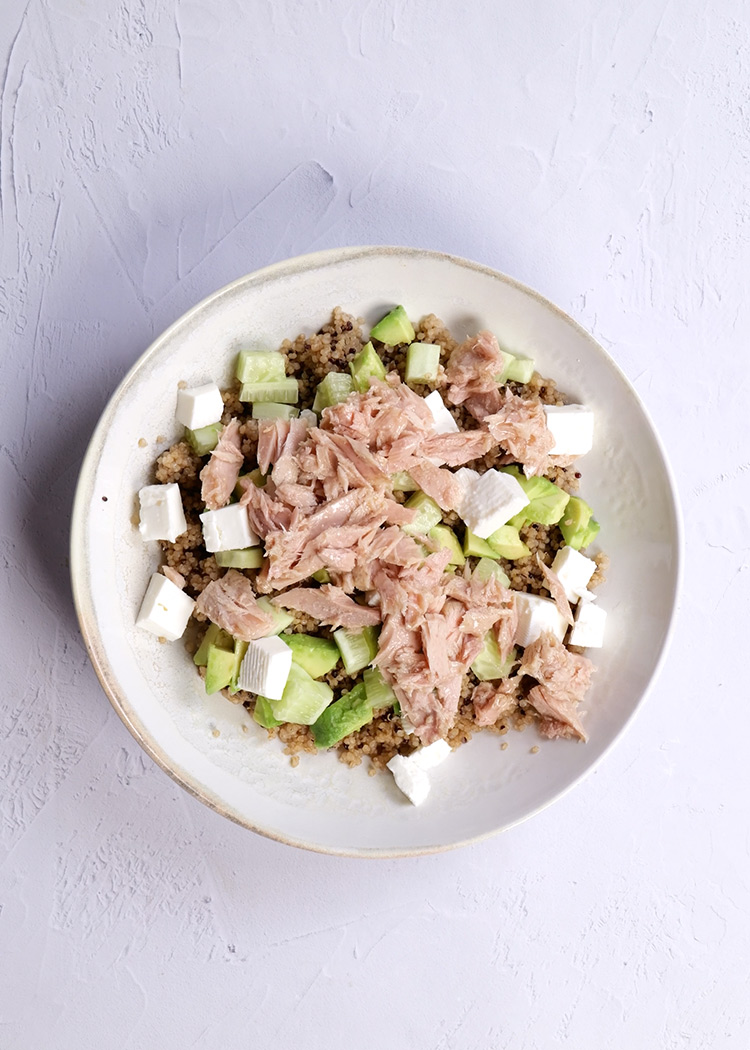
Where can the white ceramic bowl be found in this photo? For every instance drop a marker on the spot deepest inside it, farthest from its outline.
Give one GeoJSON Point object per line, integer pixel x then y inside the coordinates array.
{"type": "Point", "coordinates": [213, 748]}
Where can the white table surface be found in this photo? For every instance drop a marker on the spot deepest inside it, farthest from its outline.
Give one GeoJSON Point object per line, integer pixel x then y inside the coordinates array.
{"type": "Point", "coordinates": [150, 152]}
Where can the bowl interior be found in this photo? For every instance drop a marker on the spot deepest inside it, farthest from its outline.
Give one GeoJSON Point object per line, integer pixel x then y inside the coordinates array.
{"type": "Point", "coordinates": [213, 747]}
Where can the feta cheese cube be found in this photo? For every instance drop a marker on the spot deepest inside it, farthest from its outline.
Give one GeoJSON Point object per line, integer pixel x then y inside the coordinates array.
{"type": "Point", "coordinates": [535, 616]}
{"type": "Point", "coordinates": [265, 667]}
{"type": "Point", "coordinates": [466, 477]}
{"type": "Point", "coordinates": [444, 421]}
{"type": "Point", "coordinates": [165, 609]}
{"type": "Point", "coordinates": [574, 570]}
{"type": "Point", "coordinates": [199, 406]}
{"type": "Point", "coordinates": [491, 501]}
{"type": "Point", "coordinates": [588, 630]}
{"type": "Point", "coordinates": [310, 417]}
{"type": "Point", "coordinates": [162, 516]}
{"type": "Point", "coordinates": [572, 427]}
{"type": "Point", "coordinates": [410, 772]}
{"type": "Point", "coordinates": [227, 529]}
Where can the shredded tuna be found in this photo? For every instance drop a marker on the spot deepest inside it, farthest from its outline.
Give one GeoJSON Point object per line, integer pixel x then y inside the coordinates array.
{"type": "Point", "coordinates": [329, 605]}
{"type": "Point", "coordinates": [295, 495]}
{"type": "Point", "coordinates": [482, 405]}
{"type": "Point", "coordinates": [563, 679]}
{"type": "Point", "coordinates": [219, 476]}
{"type": "Point", "coordinates": [494, 700]}
{"type": "Point", "coordinates": [437, 483]}
{"type": "Point", "coordinates": [485, 602]}
{"type": "Point", "coordinates": [520, 427]}
{"type": "Point", "coordinates": [457, 449]}
{"type": "Point", "coordinates": [174, 576]}
{"type": "Point", "coordinates": [230, 603]}
{"type": "Point", "coordinates": [557, 591]}
{"type": "Point", "coordinates": [474, 368]}
{"type": "Point", "coordinates": [266, 515]}
{"type": "Point", "coordinates": [272, 433]}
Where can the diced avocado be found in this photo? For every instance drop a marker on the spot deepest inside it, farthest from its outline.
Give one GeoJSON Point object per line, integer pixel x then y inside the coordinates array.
{"type": "Point", "coordinates": [475, 547]}
{"type": "Point", "coordinates": [422, 360]}
{"type": "Point", "coordinates": [283, 391]}
{"type": "Point", "coordinates": [336, 387]}
{"type": "Point", "coordinates": [240, 648]}
{"type": "Point", "coordinates": [428, 514]}
{"type": "Point", "coordinates": [304, 699]}
{"type": "Point", "coordinates": [260, 366]}
{"type": "Point", "coordinates": [220, 666]}
{"type": "Point", "coordinates": [547, 501]}
{"type": "Point", "coordinates": [322, 576]}
{"type": "Point", "coordinates": [358, 648]}
{"type": "Point", "coordinates": [213, 636]}
{"type": "Point", "coordinates": [519, 369]}
{"type": "Point", "coordinates": [394, 328]}
{"type": "Point", "coordinates": [507, 542]}
{"type": "Point", "coordinates": [379, 693]}
{"type": "Point", "coordinates": [263, 713]}
{"type": "Point", "coordinates": [485, 568]}
{"type": "Point", "coordinates": [489, 664]}
{"type": "Point", "coordinates": [517, 521]}
{"type": "Point", "coordinates": [273, 410]}
{"type": "Point", "coordinates": [446, 537]}
{"type": "Point", "coordinates": [281, 618]}
{"type": "Point", "coordinates": [255, 476]}
{"type": "Point", "coordinates": [315, 655]}
{"type": "Point", "coordinates": [346, 715]}
{"type": "Point", "coordinates": [205, 439]}
{"type": "Point", "coordinates": [403, 482]}
{"type": "Point", "coordinates": [576, 524]}
{"type": "Point", "coordinates": [365, 364]}
{"type": "Point", "coordinates": [249, 558]}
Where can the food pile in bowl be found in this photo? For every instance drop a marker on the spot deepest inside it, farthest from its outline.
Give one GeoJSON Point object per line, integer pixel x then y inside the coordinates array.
{"type": "Point", "coordinates": [376, 545]}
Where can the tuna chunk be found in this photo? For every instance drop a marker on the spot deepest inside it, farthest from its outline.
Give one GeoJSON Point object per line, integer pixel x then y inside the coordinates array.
{"type": "Point", "coordinates": [230, 603]}
{"type": "Point", "coordinates": [278, 442]}
{"type": "Point", "coordinates": [174, 576]}
{"type": "Point", "coordinates": [329, 604]}
{"type": "Point", "coordinates": [485, 602]}
{"type": "Point", "coordinates": [437, 483]}
{"type": "Point", "coordinates": [563, 679]}
{"type": "Point", "coordinates": [219, 476]}
{"type": "Point", "coordinates": [556, 589]}
{"type": "Point", "coordinates": [520, 427]}
{"type": "Point", "coordinates": [493, 701]}
{"type": "Point", "coordinates": [474, 368]}
{"type": "Point", "coordinates": [457, 449]}
{"type": "Point", "coordinates": [266, 515]}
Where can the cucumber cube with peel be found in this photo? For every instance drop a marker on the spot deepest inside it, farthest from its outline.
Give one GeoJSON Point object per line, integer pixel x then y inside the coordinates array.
{"type": "Point", "coordinates": [204, 440]}
{"type": "Point", "coordinates": [260, 366]}
{"type": "Point", "coordinates": [422, 362]}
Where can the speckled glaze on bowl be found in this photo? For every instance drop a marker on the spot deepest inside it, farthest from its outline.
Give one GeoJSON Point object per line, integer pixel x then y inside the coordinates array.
{"type": "Point", "coordinates": [213, 748]}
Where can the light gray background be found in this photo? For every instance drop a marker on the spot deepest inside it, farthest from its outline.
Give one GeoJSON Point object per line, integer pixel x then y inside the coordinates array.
{"type": "Point", "coordinates": [152, 151]}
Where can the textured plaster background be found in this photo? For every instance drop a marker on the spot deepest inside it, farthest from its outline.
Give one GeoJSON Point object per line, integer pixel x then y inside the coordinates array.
{"type": "Point", "coordinates": [152, 151]}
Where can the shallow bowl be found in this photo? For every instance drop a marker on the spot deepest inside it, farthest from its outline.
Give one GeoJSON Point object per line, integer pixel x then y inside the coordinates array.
{"type": "Point", "coordinates": [213, 748]}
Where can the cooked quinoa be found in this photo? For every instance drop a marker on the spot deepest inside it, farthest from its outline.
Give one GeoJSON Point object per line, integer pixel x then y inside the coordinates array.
{"type": "Point", "coordinates": [309, 358]}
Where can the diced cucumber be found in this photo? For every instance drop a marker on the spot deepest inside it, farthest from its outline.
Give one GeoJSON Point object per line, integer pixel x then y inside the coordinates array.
{"type": "Point", "coordinates": [403, 482]}
{"type": "Point", "coordinates": [346, 715]}
{"type": "Point", "coordinates": [507, 542]}
{"type": "Point", "coordinates": [317, 656]}
{"type": "Point", "coordinates": [365, 364]}
{"type": "Point", "coordinates": [489, 664]}
{"type": "Point", "coordinates": [446, 537]}
{"type": "Point", "coordinates": [281, 618]}
{"type": "Point", "coordinates": [519, 369]}
{"type": "Point", "coordinates": [358, 649]}
{"type": "Point", "coordinates": [485, 568]}
{"type": "Point", "coordinates": [303, 700]}
{"type": "Point", "coordinates": [379, 693]}
{"type": "Point", "coordinates": [422, 360]}
{"type": "Point", "coordinates": [284, 391]}
{"type": "Point", "coordinates": [254, 476]}
{"type": "Point", "coordinates": [220, 667]}
{"type": "Point", "coordinates": [577, 525]}
{"type": "Point", "coordinates": [248, 558]}
{"type": "Point", "coordinates": [205, 439]}
{"type": "Point", "coordinates": [336, 387]}
{"type": "Point", "coordinates": [394, 328]}
{"type": "Point", "coordinates": [475, 547]}
{"type": "Point", "coordinates": [322, 576]}
{"type": "Point", "coordinates": [428, 514]}
{"type": "Point", "coordinates": [273, 410]}
{"type": "Point", "coordinates": [213, 636]}
{"type": "Point", "coordinates": [263, 713]}
{"type": "Point", "coordinates": [260, 366]}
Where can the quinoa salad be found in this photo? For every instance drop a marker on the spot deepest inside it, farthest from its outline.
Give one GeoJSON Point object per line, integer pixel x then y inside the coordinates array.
{"type": "Point", "coordinates": [377, 545]}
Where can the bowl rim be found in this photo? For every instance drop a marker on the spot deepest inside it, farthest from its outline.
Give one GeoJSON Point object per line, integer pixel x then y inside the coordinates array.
{"type": "Point", "coordinates": [80, 580]}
